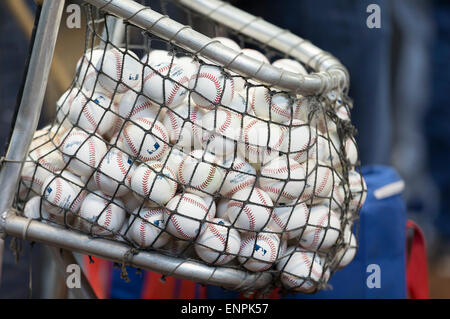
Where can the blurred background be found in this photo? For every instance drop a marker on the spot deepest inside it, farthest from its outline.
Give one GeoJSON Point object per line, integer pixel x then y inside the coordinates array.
{"type": "Point", "coordinates": [400, 79]}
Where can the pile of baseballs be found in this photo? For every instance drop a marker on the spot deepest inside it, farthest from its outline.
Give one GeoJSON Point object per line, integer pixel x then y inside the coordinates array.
{"type": "Point", "coordinates": [164, 150]}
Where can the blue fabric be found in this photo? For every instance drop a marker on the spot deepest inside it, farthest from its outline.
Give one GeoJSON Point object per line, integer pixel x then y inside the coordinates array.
{"type": "Point", "coordinates": [437, 126]}
{"type": "Point", "coordinates": [382, 241]}
{"type": "Point", "coordinates": [120, 289]}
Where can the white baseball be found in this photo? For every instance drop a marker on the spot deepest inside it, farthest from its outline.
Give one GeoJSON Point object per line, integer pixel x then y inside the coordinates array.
{"type": "Point", "coordinates": [250, 209]}
{"type": "Point", "coordinates": [101, 214]}
{"type": "Point", "coordinates": [189, 65]}
{"type": "Point", "coordinates": [166, 83]}
{"type": "Point", "coordinates": [260, 142]}
{"type": "Point", "coordinates": [145, 138]}
{"type": "Point", "coordinates": [301, 270]}
{"type": "Point", "coordinates": [82, 152]}
{"type": "Point", "coordinates": [40, 164]}
{"type": "Point", "coordinates": [173, 160]}
{"type": "Point", "coordinates": [221, 209]}
{"type": "Point", "coordinates": [91, 112]}
{"type": "Point", "coordinates": [154, 181]}
{"type": "Point", "coordinates": [351, 151]}
{"type": "Point", "coordinates": [290, 65]}
{"type": "Point", "coordinates": [299, 140]}
{"type": "Point", "coordinates": [276, 107]}
{"type": "Point", "coordinates": [133, 106]}
{"type": "Point", "coordinates": [157, 55]}
{"type": "Point", "coordinates": [358, 191]}
{"type": "Point", "coordinates": [147, 229]}
{"type": "Point", "coordinates": [346, 253]}
{"type": "Point", "coordinates": [87, 77]}
{"type": "Point", "coordinates": [218, 242]}
{"type": "Point", "coordinates": [120, 70]}
{"type": "Point", "coordinates": [182, 124]}
{"type": "Point", "coordinates": [62, 193]}
{"type": "Point", "coordinates": [255, 55]}
{"type": "Point", "coordinates": [301, 108]}
{"type": "Point", "coordinates": [211, 204]}
{"type": "Point", "coordinates": [319, 181]}
{"type": "Point", "coordinates": [200, 173]}
{"type": "Point", "coordinates": [221, 130]}
{"type": "Point", "coordinates": [239, 103]}
{"type": "Point", "coordinates": [289, 219]}
{"type": "Point", "coordinates": [283, 180]}
{"type": "Point", "coordinates": [113, 176]}
{"type": "Point", "coordinates": [258, 252]}
{"type": "Point", "coordinates": [239, 175]}
{"type": "Point", "coordinates": [239, 82]}
{"type": "Point", "coordinates": [63, 105]}
{"type": "Point", "coordinates": [34, 209]}
{"type": "Point", "coordinates": [211, 87]}
{"type": "Point", "coordinates": [184, 215]}
{"type": "Point", "coordinates": [322, 230]}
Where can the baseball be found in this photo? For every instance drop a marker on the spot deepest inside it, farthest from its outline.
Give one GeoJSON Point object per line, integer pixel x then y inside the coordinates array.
{"type": "Point", "coordinates": [63, 107]}
{"type": "Point", "coordinates": [221, 208]}
{"type": "Point", "coordinates": [166, 83]}
{"type": "Point", "coordinates": [266, 105]}
{"type": "Point", "coordinates": [82, 152]}
{"type": "Point", "coordinates": [322, 230]}
{"type": "Point", "coordinates": [173, 160]}
{"type": "Point", "coordinates": [62, 193]}
{"type": "Point", "coordinates": [239, 175]}
{"type": "Point", "coordinates": [239, 103]}
{"type": "Point", "coordinates": [255, 55]}
{"type": "Point", "coordinates": [133, 106]}
{"type": "Point", "coordinates": [258, 252]}
{"type": "Point", "coordinates": [145, 138]}
{"type": "Point", "coordinates": [120, 70]}
{"type": "Point", "coordinates": [283, 180]}
{"type": "Point", "coordinates": [101, 214]}
{"type": "Point", "coordinates": [147, 229]}
{"type": "Point", "coordinates": [260, 141]}
{"type": "Point", "coordinates": [301, 109]}
{"type": "Point", "coordinates": [301, 270]}
{"type": "Point", "coordinates": [218, 242]}
{"type": "Point", "coordinates": [299, 141]}
{"type": "Point", "coordinates": [211, 204]}
{"type": "Point", "coordinates": [358, 191]}
{"type": "Point", "coordinates": [351, 151]}
{"type": "Point", "coordinates": [250, 209]}
{"type": "Point", "coordinates": [200, 174]}
{"type": "Point", "coordinates": [113, 176]}
{"type": "Point", "coordinates": [221, 131]}
{"type": "Point", "coordinates": [184, 215]}
{"type": "Point", "coordinates": [91, 113]}
{"type": "Point", "coordinates": [346, 253]}
{"type": "Point", "coordinates": [40, 164]}
{"type": "Point", "coordinates": [290, 65]}
{"type": "Point", "coordinates": [319, 181]}
{"type": "Point", "coordinates": [211, 87]}
{"type": "Point", "coordinates": [154, 181]}
{"type": "Point", "coordinates": [182, 124]}
{"type": "Point", "coordinates": [88, 72]}
{"type": "Point", "coordinates": [289, 219]}
{"type": "Point", "coordinates": [34, 210]}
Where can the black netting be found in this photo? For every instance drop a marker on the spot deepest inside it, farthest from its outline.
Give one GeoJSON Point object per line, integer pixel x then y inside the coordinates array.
{"type": "Point", "coordinates": [166, 151]}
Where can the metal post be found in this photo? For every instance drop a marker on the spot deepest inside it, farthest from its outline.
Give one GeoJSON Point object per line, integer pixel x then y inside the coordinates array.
{"type": "Point", "coordinates": [31, 103]}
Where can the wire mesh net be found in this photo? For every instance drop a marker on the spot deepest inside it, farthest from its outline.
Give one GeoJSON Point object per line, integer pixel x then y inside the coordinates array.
{"type": "Point", "coordinates": [164, 150]}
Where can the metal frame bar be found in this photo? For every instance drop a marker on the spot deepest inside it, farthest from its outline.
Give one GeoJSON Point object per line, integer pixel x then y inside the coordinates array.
{"type": "Point", "coordinates": [332, 74]}
{"type": "Point", "coordinates": [188, 269]}
{"type": "Point", "coordinates": [30, 105]}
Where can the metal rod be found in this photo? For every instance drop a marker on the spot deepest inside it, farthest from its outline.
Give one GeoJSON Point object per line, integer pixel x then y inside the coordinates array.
{"type": "Point", "coordinates": [65, 258]}
{"type": "Point", "coordinates": [186, 269]}
{"type": "Point", "coordinates": [31, 103]}
{"type": "Point", "coordinates": [332, 73]}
